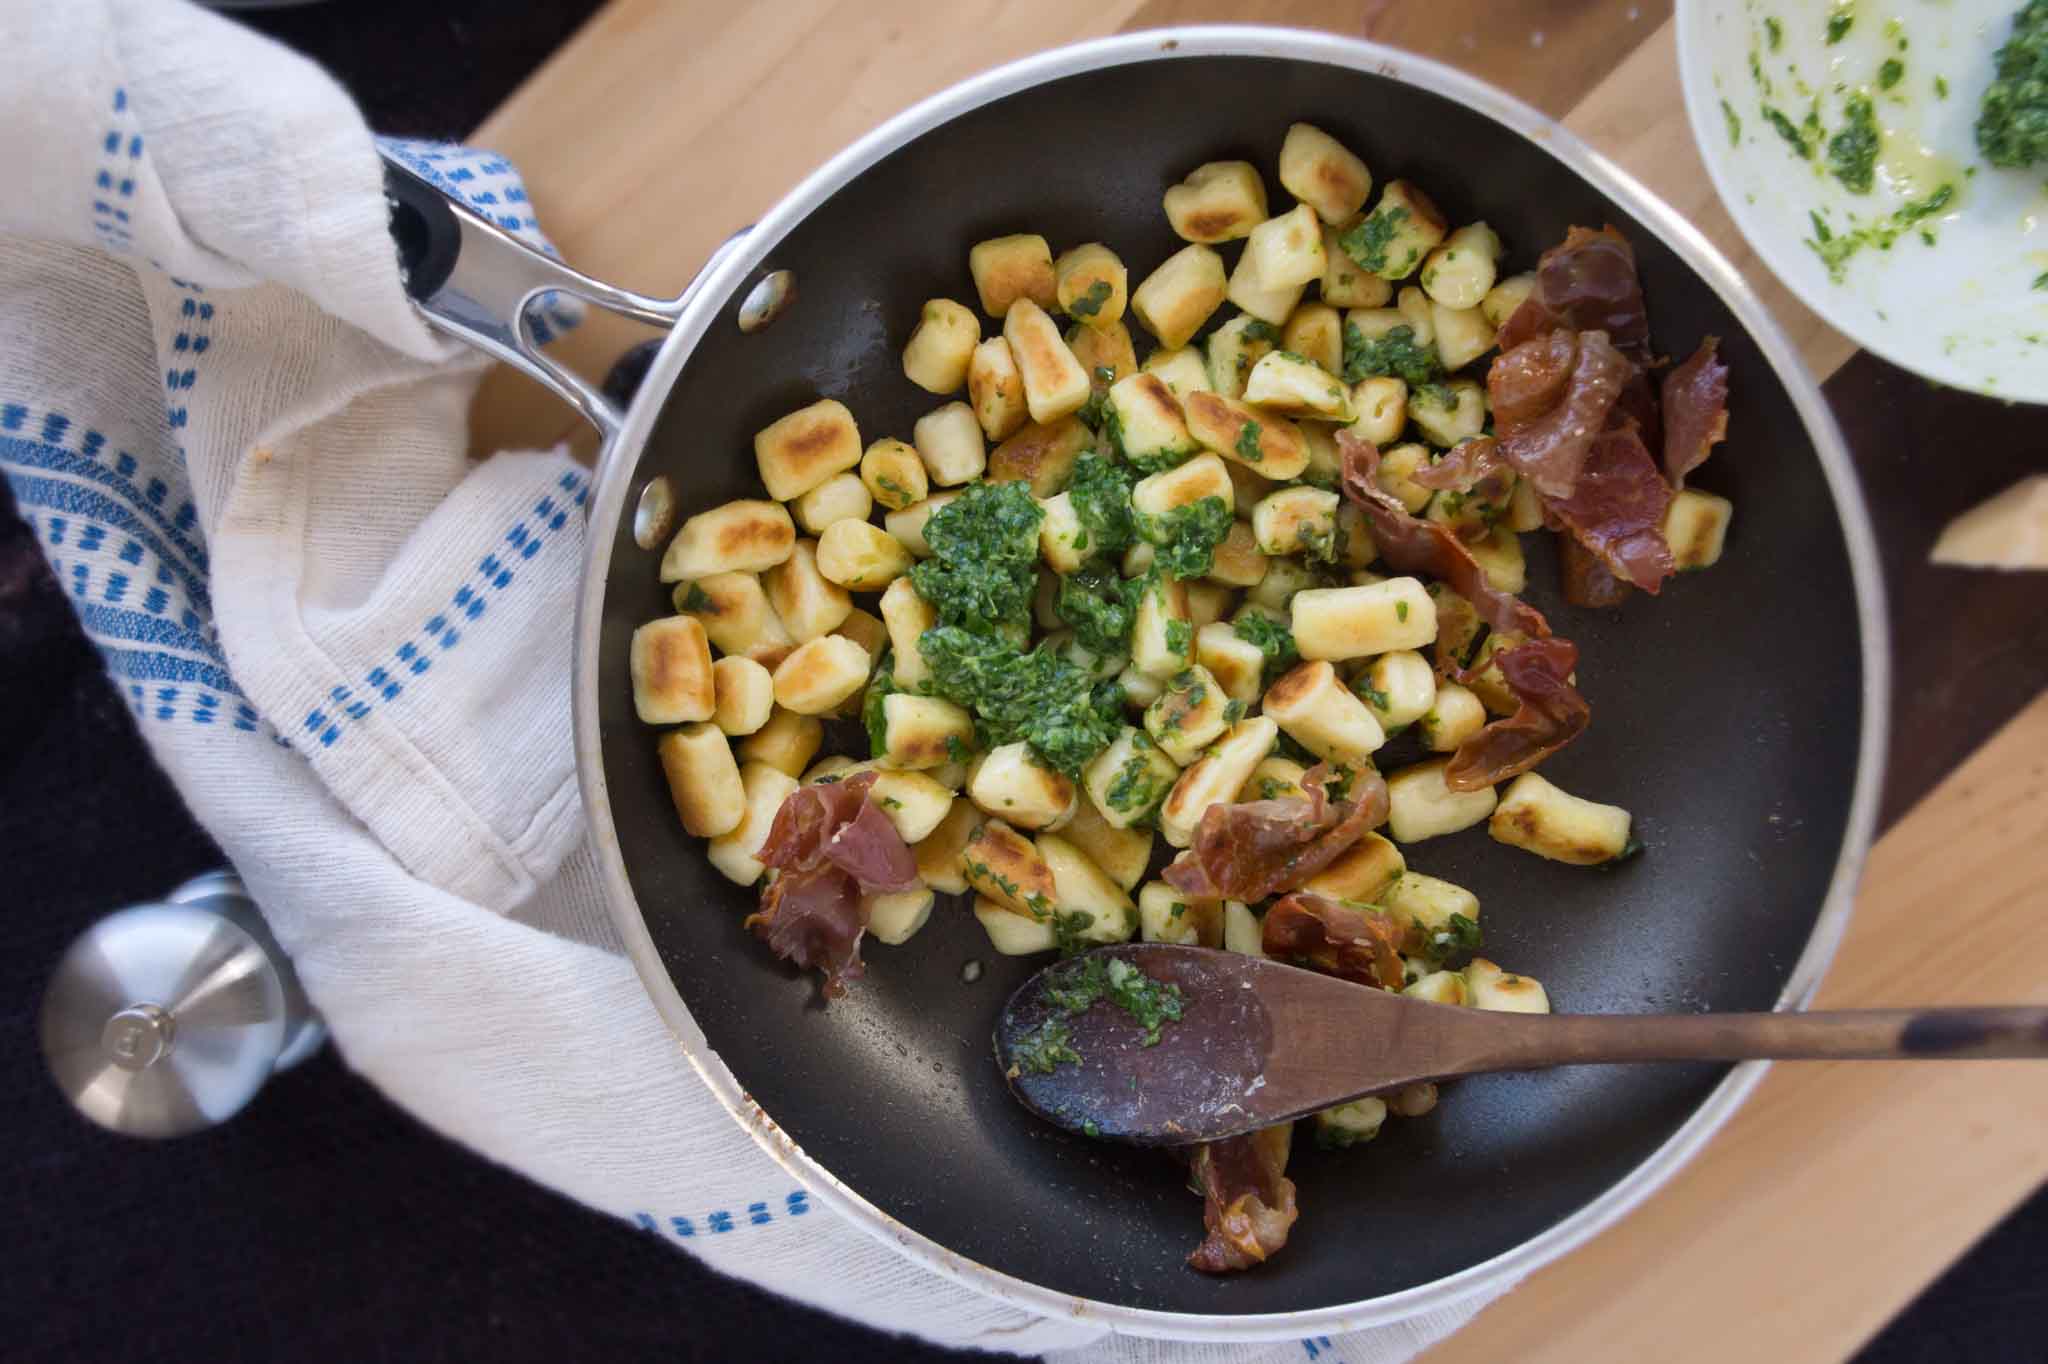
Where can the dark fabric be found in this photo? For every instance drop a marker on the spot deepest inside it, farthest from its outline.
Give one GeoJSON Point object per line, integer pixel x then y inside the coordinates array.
{"type": "Point", "coordinates": [324, 1223]}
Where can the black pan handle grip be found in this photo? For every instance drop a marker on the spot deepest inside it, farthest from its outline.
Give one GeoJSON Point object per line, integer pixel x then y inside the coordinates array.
{"type": "Point", "coordinates": [424, 229]}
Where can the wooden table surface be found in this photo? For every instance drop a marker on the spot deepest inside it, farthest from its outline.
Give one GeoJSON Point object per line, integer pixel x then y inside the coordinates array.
{"type": "Point", "coordinates": [1838, 1191]}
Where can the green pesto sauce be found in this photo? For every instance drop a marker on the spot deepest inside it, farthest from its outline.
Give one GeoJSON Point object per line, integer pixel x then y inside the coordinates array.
{"type": "Point", "coordinates": [1852, 152]}
{"type": "Point", "coordinates": [1734, 121]}
{"type": "Point", "coordinates": [1397, 353]}
{"type": "Point", "coordinates": [1185, 539]}
{"type": "Point", "coordinates": [1077, 988]}
{"type": "Point", "coordinates": [1836, 248]}
{"type": "Point", "coordinates": [2012, 128]}
{"type": "Point", "coordinates": [1273, 639]}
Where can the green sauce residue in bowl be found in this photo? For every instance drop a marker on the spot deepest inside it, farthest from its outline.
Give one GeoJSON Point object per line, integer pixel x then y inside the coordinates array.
{"type": "Point", "coordinates": [2012, 129]}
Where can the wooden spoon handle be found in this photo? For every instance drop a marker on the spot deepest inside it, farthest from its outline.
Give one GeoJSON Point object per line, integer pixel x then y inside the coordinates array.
{"type": "Point", "coordinates": [1899, 1034]}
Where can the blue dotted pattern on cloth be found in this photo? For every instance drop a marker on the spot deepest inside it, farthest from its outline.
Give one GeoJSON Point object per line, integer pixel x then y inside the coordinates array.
{"type": "Point", "coordinates": [113, 187]}
{"type": "Point", "coordinates": [794, 1204]}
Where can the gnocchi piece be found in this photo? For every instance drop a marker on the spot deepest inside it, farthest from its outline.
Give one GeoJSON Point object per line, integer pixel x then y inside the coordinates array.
{"type": "Point", "coordinates": [1438, 987]}
{"type": "Point", "coordinates": [1453, 717]}
{"type": "Point", "coordinates": [736, 616]}
{"type": "Point", "coordinates": [703, 779]}
{"type": "Point", "coordinates": [1462, 335]}
{"type": "Point", "coordinates": [1489, 987]}
{"type": "Point", "coordinates": [1696, 528]}
{"type": "Point", "coordinates": [1237, 560]}
{"type": "Point", "coordinates": [894, 918]}
{"type": "Point", "coordinates": [1242, 931]}
{"type": "Point", "coordinates": [1270, 304]}
{"type": "Point", "coordinates": [1080, 887]}
{"type": "Point", "coordinates": [1321, 714]}
{"type": "Point", "coordinates": [1355, 546]}
{"type": "Point", "coordinates": [1362, 872]}
{"type": "Point", "coordinates": [949, 441]}
{"type": "Point", "coordinates": [1122, 854]}
{"type": "Point", "coordinates": [1297, 520]}
{"type": "Point", "coordinates": [1285, 251]}
{"type": "Point", "coordinates": [1454, 412]}
{"type": "Point", "coordinates": [1215, 776]}
{"type": "Point", "coordinates": [1041, 454]}
{"type": "Point", "coordinates": [893, 474]}
{"type": "Point", "coordinates": [923, 731]}
{"type": "Point", "coordinates": [1417, 313]}
{"type": "Point", "coordinates": [1272, 446]}
{"type": "Point", "coordinates": [1177, 298]}
{"type": "Point", "coordinates": [1488, 683]}
{"type": "Point", "coordinates": [1285, 382]}
{"type": "Point", "coordinates": [1183, 486]}
{"type": "Point", "coordinates": [1321, 172]}
{"type": "Point", "coordinates": [1138, 560]}
{"type": "Point", "coordinates": [1402, 228]}
{"type": "Point", "coordinates": [1013, 934]}
{"type": "Point", "coordinates": [866, 630]}
{"type": "Point", "coordinates": [737, 854]}
{"type": "Point", "coordinates": [842, 497]}
{"type": "Point", "coordinates": [907, 524]}
{"type": "Point", "coordinates": [995, 387]}
{"type": "Point", "coordinates": [1105, 353]}
{"type": "Point", "coordinates": [1162, 636]}
{"type": "Point", "coordinates": [786, 743]}
{"type": "Point", "coordinates": [807, 602]}
{"type": "Point", "coordinates": [1140, 689]}
{"type": "Point", "coordinates": [745, 696]}
{"type": "Point", "coordinates": [1549, 821]}
{"type": "Point", "coordinates": [1414, 1101]}
{"type": "Point", "coordinates": [938, 852]}
{"type": "Point", "coordinates": [1460, 272]}
{"type": "Point", "coordinates": [1346, 284]}
{"type": "Point", "coordinates": [740, 537]}
{"type": "Point", "coordinates": [670, 666]}
{"type": "Point", "coordinates": [1188, 716]}
{"type": "Point", "coordinates": [1351, 622]}
{"type": "Point", "coordinates": [1219, 201]}
{"type": "Point", "coordinates": [1397, 467]}
{"type": "Point", "coordinates": [1003, 865]}
{"type": "Point", "coordinates": [1208, 601]}
{"type": "Point", "coordinates": [1379, 410]}
{"type": "Point", "coordinates": [1420, 805]}
{"type": "Point", "coordinates": [1014, 785]}
{"type": "Point", "coordinates": [1275, 778]}
{"type": "Point", "coordinates": [1129, 779]}
{"type": "Point", "coordinates": [1183, 370]}
{"type": "Point", "coordinates": [1499, 554]}
{"type": "Point", "coordinates": [1351, 1124]}
{"type": "Point", "coordinates": [798, 452]}
{"type": "Point", "coordinates": [1427, 904]}
{"type": "Point", "coordinates": [1316, 334]}
{"type": "Point", "coordinates": [1374, 323]}
{"type": "Point", "coordinates": [1398, 687]}
{"type": "Point", "coordinates": [1063, 542]}
{"type": "Point", "coordinates": [915, 802]}
{"type": "Point", "coordinates": [1055, 384]}
{"type": "Point", "coordinates": [1233, 349]}
{"type": "Point", "coordinates": [1284, 578]}
{"type": "Point", "coordinates": [860, 556]}
{"type": "Point", "coordinates": [1091, 285]}
{"type": "Point", "coordinates": [1148, 422]}
{"type": "Point", "coordinates": [1167, 915]}
{"type": "Point", "coordinates": [1325, 461]}
{"type": "Point", "coordinates": [1007, 269]}
{"type": "Point", "coordinates": [830, 768]}
{"type": "Point", "coordinates": [935, 358]}
{"type": "Point", "coordinates": [1525, 508]}
{"type": "Point", "coordinates": [819, 675]}
{"type": "Point", "coordinates": [1503, 298]}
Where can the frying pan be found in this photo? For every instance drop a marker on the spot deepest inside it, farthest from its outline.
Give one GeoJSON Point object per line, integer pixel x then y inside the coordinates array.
{"type": "Point", "coordinates": [1738, 716]}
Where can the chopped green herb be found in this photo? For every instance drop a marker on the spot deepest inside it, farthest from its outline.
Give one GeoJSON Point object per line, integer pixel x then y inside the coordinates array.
{"type": "Point", "coordinates": [1734, 123]}
{"type": "Point", "coordinates": [956, 750]}
{"type": "Point", "coordinates": [1038, 697]}
{"type": "Point", "coordinates": [1372, 695]}
{"type": "Point", "coordinates": [873, 716]}
{"type": "Point", "coordinates": [1774, 34]}
{"type": "Point", "coordinates": [1248, 444]}
{"type": "Point", "coordinates": [1320, 543]}
{"type": "Point", "coordinates": [891, 803]}
{"type": "Point", "coordinates": [1852, 152]}
{"type": "Point", "coordinates": [1629, 851]}
{"type": "Point", "coordinates": [1076, 988]}
{"type": "Point", "coordinates": [1367, 243]}
{"type": "Point", "coordinates": [1789, 131]}
{"type": "Point", "coordinates": [1891, 73]}
{"type": "Point", "coordinates": [2040, 280]}
{"type": "Point", "coordinates": [697, 599]}
{"type": "Point", "coordinates": [1099, 606]}
{"type": "Point", "coordinates": [1137, 787]}
{"type": "Point", "coordinates": [2012, 127]}
{"type": "Point", "coordinates": [1274, 639]}
{"type": "Point", "coordinates": [1101, 496]}
{"type": "Point", "coordinates": [1839, 24]}
{"type": "Point", "coordinates": [1835, 248]}
{"type": "Point", "coordinates": [1397, 353]}
{"type": "Point", "coordinates": [1090, 303]}
{"type": "Point", "coordinates": [1177, 909]}
{"type": "Point", "coordinates": [1233, 711]}
{"type": "Point", "coordinates": [1045, 1048]}
{"type": "Point", "coordinates": [1260, 330]}
{"type": "Point", "coordinates": [1401, 611]}
{"type": "Point", "coordinates": [1180, 638]}
{"type": "Point", "coordinates": [1186, 537]}
{"type": "Point", "coordinates": [1941, 87]}
{"type": "Point", "coordinates": [985, 558]}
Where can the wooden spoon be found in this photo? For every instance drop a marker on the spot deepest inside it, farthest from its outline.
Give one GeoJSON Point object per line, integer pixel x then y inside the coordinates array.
{"type": "Point", "coordinates": [1259, 1043]}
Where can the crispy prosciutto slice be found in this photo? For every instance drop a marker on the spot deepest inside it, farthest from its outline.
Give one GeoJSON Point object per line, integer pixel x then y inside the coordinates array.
{"type": "Point", "coordinates": [1253, 849]}
{"type": "Point", "coordinates": [1335, 938]}
{"type": "Point", "coordinates": [1247, 1199]}
{"type": "Point", "coordinates": [1473, 466]}
{"type": "Point", "coordinates": [1552, 396]}
{"type": "Point", "coordinates": [1616, 509]}
{"type": "Point", "coordinates": [1587, 580]}
{"type": "Point", "coordinates": [1550, 715]}
{"type": "Point", "coordinates": [832, 849]}
{"type": "Point", "coordinates": [1586, 283]}
{"type": "Point", "coordinates": [1426, 547]}
{"type": "Point", "coordinates": [1695, 411]}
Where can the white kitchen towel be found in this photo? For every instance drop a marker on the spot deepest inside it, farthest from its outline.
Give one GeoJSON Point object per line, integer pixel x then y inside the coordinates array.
{"type": "Point", "coordinates": [244, 457]}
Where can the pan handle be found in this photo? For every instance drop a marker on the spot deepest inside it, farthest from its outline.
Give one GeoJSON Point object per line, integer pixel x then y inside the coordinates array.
{"type": "Point", "coordinates": [474, 280]}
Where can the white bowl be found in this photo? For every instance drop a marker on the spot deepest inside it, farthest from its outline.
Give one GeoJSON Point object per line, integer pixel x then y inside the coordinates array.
{"type": "Point", "coordinates": [1963, 310]}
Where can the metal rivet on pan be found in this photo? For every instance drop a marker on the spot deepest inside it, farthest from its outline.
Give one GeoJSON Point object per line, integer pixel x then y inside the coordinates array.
{"type": "Point", "coordinates": [655, 514]}
{"type": "Point", "coordinates": [767, 299]}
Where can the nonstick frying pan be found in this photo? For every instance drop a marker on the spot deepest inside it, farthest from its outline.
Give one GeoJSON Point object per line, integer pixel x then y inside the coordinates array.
{"type": "Point", "coordinates": [1739, 715]}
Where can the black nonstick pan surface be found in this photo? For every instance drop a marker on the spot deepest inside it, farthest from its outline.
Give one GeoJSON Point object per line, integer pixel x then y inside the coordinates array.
{"type": "Point", "coordinates": [1729, 716]}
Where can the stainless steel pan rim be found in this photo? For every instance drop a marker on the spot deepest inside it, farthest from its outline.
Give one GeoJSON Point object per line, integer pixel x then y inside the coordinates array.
{"type": "Point", "coordinates": [741, 257]}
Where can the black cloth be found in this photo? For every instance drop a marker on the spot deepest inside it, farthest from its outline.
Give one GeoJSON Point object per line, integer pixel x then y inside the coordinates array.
{"type": "Point", "coordinates": [323, 1223]}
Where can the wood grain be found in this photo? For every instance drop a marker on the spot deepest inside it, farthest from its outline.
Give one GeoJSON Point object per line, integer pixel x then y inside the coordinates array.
{"type": "Point", "coordinates": [1838, 1191]}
